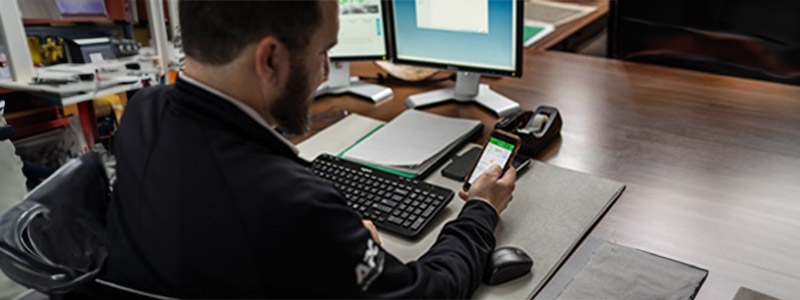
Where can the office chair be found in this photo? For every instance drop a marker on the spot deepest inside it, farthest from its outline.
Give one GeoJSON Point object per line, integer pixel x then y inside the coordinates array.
{"type": "Point", "coordinates": [751, 39]}
{"type": "Point", "coordinates": [54, 240]}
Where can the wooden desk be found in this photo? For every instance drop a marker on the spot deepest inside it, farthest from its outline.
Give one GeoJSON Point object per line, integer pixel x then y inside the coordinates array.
{"type": "Point", "coordinates": [712, 163]}
{"type": "Point", "coordinates": [570, 36]}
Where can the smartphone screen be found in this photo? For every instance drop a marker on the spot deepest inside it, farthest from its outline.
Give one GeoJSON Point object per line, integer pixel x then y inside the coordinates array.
{"type": "Point", "coordinates": [497, 152]}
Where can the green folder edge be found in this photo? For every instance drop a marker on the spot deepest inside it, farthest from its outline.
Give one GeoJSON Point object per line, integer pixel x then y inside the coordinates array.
{"type": "Point", "coordinates": [382, 168]}
{"type": "Point", "coordinates": [528, 31]}
{"type": "Point", "coordinates": [532, 30]}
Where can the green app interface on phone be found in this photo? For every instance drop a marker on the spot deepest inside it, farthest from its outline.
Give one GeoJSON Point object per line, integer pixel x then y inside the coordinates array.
{"type": "Point", "coordinates": [497, 152]}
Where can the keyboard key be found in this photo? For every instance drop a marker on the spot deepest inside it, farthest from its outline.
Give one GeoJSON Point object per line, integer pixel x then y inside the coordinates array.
{"type": "Point", "coordinates": [397, 197]}
{"type": "Point", "coordinates": [401, 191]}
{"type": "Point", "coordinates": [417, 224]}
{"type": "Point", "coordinates": [388, 202]}
{"type": "Point", "coordinates": [395, 220]}
{"type": "Point", "coordinates": [406, 224]}
{"type": "Point", "coordinates": [428, 212]}
{"type": "Point", "coordinates": [382, 208]}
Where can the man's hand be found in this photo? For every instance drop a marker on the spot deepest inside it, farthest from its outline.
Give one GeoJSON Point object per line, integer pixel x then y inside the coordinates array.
{"type": "Point", "coordinates": [494, 187]}
{"type": "Point", "coordinates": [372, 231]}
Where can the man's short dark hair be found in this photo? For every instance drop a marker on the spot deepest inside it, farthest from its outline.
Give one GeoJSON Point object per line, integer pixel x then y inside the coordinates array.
{"type": "Point", "coordinates": [215, 32]}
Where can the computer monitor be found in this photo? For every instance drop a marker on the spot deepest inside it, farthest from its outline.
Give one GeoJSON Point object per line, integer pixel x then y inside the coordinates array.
{"type": "Point", "coordinates": [362, 36]}
{"type": "Point", "coordinates": [472, 37]}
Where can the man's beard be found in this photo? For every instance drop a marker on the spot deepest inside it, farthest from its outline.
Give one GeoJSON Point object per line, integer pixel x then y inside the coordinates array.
{"type": "Point", "coordinates": [292, 109]}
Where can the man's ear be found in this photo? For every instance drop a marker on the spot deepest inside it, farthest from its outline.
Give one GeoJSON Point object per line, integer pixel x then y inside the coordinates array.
{"type": "Point", "coordinates": [271, 57]}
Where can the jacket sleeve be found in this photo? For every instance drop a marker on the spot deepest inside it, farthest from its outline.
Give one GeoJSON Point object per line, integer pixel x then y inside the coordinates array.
{"type": "Point", "coordinates": [350, 264]}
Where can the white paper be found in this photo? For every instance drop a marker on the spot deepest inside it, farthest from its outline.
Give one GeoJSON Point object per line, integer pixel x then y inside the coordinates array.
{"type": "Point", "coordinates": [96, 57]}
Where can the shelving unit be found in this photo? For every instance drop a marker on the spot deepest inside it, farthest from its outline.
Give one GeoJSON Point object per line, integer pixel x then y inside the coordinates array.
{"type": "Point", "coordinates": [68, 20]}
{"type": "Point", "coordinates": [12, 32]}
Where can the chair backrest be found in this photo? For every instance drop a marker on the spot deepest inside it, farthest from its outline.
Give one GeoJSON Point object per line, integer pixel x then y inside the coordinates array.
{"type": "Point", "coordinates": [53, 241]}
{"type": "Point", "coordinates": [752, 39]}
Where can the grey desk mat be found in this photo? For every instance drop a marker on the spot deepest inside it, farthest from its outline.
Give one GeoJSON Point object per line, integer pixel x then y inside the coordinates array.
{"type": "Point", "coordinates": [602, 270]}
{"type": "Point", "coordinates": [553, 209]}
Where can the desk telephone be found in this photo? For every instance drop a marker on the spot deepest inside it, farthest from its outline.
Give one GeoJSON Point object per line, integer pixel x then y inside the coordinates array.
{"type": "Point", "coordinates": [536, 129]}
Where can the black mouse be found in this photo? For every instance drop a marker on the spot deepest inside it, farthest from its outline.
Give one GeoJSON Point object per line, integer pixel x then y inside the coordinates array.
{"type": "Point", "coordinates": [505, 264]}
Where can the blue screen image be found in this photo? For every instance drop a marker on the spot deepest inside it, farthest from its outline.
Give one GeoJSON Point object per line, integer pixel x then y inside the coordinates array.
{"type": "Point", "coordinates": [492, 50]}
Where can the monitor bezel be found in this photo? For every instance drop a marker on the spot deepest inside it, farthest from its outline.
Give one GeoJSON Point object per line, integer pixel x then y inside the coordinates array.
{"type": "Point", "coordinates": [516, 73]}
{"type": "Point", "coordinates": [386, 40]}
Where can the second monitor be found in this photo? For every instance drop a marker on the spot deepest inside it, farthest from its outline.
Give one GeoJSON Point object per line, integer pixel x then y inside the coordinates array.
{"type": "Point", "coordinates": [362, 36]}
{"type": "Point", "coordinates": [471, 37]}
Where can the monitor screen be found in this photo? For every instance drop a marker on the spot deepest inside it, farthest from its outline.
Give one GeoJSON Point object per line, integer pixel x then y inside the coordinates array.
{"type": "Point", "coordinates": [470, 35]}
{"type": "Point", "coordinates": [362, 31]}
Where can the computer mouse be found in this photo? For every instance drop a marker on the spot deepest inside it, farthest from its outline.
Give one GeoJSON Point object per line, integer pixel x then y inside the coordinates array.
{"type": "Point", "coordinates": [506, 264]}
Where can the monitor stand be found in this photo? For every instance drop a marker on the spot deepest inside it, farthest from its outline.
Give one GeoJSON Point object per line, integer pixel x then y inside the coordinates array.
{"type": "Point", "coordinates": [339, 82]}
{"type": "Point", "coordinates": [468, 89]}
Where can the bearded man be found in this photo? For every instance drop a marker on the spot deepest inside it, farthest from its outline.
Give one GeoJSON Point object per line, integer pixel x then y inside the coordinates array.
{"type": "Point", "coordinates": [212, 202]}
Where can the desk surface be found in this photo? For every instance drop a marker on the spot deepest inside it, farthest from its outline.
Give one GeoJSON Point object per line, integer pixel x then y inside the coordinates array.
{"type": "Point", "coordinates": [712, 163]}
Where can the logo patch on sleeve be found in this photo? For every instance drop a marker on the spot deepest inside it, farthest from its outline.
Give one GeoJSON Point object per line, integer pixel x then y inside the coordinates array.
{"type": "Point", "coordinates": [371, 267]}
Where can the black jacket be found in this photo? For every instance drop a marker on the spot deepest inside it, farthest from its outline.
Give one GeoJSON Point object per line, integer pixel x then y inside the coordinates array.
{"type": "Point", "coordinates": [210, 204]}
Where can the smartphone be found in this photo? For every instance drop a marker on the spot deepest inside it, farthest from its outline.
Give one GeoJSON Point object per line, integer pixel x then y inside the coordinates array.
{"type": "Point", "coordinates": [500, 150]}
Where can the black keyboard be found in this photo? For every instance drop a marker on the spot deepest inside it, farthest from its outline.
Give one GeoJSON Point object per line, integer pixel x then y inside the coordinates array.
{"type": "Point", "coordinates": [394, 203]}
